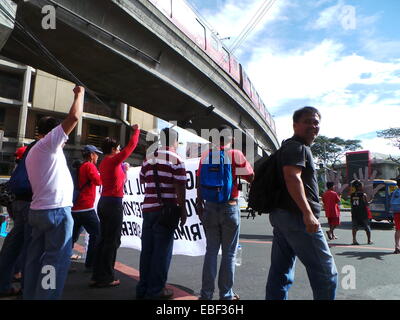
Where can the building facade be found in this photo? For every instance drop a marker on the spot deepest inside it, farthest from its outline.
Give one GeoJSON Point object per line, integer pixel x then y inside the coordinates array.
{"type": "Point", "coordinates": [27, 94]}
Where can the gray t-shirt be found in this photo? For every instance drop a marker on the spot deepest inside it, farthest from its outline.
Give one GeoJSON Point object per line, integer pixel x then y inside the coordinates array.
{"type": "Point", "coordinates": [294, 152]}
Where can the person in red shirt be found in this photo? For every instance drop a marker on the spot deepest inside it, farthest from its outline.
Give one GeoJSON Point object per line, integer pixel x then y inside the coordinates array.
{"type": "Point", "coordinates": [83, 211]}
{"type": "Point", "coordinates": [331, 202]}
{"type": "Point", "coordinates": [110, 209]}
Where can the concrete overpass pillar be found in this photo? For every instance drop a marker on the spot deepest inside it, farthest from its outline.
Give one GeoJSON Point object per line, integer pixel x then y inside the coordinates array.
{"type": "Point", "coordinates": [124, 114]}
{"type": "Point", "coordinates": [78, 132]}
{"type": "Point", "coordinates": [23, 113]}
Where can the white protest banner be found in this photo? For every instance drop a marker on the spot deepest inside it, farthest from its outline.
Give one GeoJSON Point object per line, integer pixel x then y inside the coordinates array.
{"type": "Point", "coordinates": [188, 240]}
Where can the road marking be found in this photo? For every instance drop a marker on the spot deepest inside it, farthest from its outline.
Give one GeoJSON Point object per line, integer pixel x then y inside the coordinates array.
{"type": "Point", "coordinates": [179, 294]}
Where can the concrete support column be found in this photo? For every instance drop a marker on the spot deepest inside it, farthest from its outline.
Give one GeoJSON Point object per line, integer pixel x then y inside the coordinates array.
{"type": "Point", "coordinates": [23, 113]}
{"type": "Point", "coordinates": [78, 132]}
{"type": "Point", "coordinates": [124, 114]}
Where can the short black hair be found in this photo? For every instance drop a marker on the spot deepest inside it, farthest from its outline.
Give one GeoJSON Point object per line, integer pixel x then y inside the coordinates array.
{"type": "Point", "coordinates": [329, 185]}
{"type": "Point", "coordinates": [305, 110]}
{"type": "Point", "coordinates": [228, 133]}
{"type": "Point", "coordinates": [168, 136]}
{"type": "Point", "coordinates": [108, 144]}
{"type": "Point", "coordinates": [357, 184]}
{"type": "Point", "coordinates": [46, 124]}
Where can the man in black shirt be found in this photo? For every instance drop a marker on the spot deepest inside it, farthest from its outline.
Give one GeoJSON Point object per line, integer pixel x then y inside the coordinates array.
{"type": "Point", "coordinates": [359, 212]}
{"type": "Point", "coordinates": [297, 231]}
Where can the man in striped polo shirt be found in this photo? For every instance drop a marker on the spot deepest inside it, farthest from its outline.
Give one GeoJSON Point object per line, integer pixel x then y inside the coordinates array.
{"type": "Point", "coordinates": [157, 240]}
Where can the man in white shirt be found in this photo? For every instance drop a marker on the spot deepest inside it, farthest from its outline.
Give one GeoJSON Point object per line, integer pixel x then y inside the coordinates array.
{"type": "Point", "coordinates": [49, 252]}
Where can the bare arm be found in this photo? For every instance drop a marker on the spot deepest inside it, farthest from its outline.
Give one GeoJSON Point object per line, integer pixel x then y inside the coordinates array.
{"type": "Point", "coordinates": [75, 112]}
{"type": "Point", "coordinates": [294, 184]}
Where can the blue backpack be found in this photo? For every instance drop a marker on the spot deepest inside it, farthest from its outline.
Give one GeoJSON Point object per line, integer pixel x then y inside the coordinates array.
{"type": "Point", "coordinates": [216, 178]}
{"type": "Point", "coordinates": [395, 201]}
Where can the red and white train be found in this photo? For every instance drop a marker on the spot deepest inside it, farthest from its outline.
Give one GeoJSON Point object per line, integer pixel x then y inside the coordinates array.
{"type": "Point", "coordinates": [183, 16]}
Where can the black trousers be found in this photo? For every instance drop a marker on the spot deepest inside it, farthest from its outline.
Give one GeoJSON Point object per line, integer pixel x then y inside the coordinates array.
{"type": "Point", "coordinates": [110, 212]}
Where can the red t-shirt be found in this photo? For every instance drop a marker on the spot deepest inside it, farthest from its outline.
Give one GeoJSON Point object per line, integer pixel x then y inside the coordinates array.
{"type": "Point", "coordinates": [89, 178]}
{"type": "Point", "coordinates": [112, 174]}
{"type": "Point", "coordinates": [330, 199]}
{"type": "Point", "coordinates": [240, 168]}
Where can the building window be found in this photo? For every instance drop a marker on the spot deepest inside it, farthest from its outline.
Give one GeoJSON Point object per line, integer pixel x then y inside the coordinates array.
{"type": "Point", "coordinates": [93, 106]}
{"type": "Point", "coordinates": [96, 134]}
{"type": "Point", "coordinates": [10, 85]}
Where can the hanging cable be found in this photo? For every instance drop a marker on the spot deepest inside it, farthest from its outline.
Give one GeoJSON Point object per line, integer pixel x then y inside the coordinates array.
{"type": "Point", "coordinates": [58, 65]}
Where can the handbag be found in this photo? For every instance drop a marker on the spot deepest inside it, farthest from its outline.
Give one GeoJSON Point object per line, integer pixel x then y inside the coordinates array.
{"type": "Point", "coordinates": [170, 213]}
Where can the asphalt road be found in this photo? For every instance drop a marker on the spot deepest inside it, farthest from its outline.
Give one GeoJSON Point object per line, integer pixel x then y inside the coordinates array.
{"type": "Point", "coordinates": [366, 272]}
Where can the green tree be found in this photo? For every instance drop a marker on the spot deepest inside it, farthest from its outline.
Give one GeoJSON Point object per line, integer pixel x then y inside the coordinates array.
{"type": "Point", "coordinates": [330, 150]}
{"type": "Point", "coordinates": [393, 135]}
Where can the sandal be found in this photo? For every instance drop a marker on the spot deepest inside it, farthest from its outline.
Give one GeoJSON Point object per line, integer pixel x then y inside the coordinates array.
{"type": "Point", "coordinates": [396, 251]}
{"type": "Point", "coordinates": [114, 283]}
{"type": "Point", "coordinates": [355, 243]}
{"type": "Point", "coordinates": [328, 235]}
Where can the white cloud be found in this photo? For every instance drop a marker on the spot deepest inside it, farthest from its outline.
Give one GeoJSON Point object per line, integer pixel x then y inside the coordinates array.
{"type": "Point", "coordinates": [355, 94]}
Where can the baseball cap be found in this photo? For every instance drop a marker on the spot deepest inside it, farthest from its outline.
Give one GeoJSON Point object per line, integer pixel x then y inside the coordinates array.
{"type": "Point", "coordinates": [20, 152]}
{"type": "Point", "coordinates": [90, 148]}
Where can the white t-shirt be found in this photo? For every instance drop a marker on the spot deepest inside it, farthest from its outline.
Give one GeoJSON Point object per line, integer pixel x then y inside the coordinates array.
{"type": "Point", "coordinates": [48, 172]}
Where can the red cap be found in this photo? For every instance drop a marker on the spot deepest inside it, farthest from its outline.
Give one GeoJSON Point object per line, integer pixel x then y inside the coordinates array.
{"type": "Point", "coordinates": [20, 152]}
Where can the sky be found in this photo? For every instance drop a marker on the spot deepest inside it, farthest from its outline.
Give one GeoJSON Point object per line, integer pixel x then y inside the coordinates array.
{"type": "Point", "coordinates": [340, 56]}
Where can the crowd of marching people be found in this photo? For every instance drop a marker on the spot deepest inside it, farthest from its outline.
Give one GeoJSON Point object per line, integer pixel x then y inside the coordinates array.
{"type": "Point", "coordinates": [51, 206]}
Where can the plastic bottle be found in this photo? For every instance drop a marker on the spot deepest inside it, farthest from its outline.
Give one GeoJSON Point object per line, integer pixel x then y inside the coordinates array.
{"type": "Point", "coordinates": [238, 258]}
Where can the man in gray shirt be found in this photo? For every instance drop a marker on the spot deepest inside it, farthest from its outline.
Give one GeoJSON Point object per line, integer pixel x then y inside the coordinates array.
{"type": "Point", "coordinates": [297, 231]}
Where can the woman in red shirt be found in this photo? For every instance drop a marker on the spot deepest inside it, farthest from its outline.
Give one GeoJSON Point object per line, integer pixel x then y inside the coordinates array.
{"type": "Point", "coordinates": [83, 211]}
{"type": "Point", "coordinates": [110, 208]}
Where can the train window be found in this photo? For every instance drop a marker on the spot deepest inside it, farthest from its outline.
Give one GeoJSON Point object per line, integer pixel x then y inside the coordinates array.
{"type": "Point", "coordinates": [214, 43]}
{"type": "Point", "coordinates": [200, 34]}
{"type": "Point", "coordinates": [166, 7]}
{"type": "Point", "coordinates": [226, 58]}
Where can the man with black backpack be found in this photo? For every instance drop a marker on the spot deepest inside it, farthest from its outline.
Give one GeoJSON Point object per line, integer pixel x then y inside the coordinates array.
{"type": "Point", "coordinates": [87, 177]}
{"type": "Point", "coordinates": [218, 209]}
{"type": "Point", "coordinates": [297, 231]}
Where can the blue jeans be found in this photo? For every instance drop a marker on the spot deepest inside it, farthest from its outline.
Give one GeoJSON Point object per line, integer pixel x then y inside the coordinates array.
{"type": "Point", "coordinates": [15, 244]}
{"type": "Point", "coordinates": [49, 253]}
{"type": "Point", "coordinates": [90, 221]}
{"type": "Point", "coordinates": [290, 240]}
{"type": "Point", "coordinates": [155, 257]}
{"type": "Point", "coordinates": [221, 223]}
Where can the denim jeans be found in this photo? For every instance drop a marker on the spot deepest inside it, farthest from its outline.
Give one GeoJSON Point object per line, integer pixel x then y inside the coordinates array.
{"type": "Point", "coordinates": [90, 221]}
{"type": "Point", "coordinates": [155, 257]}
{"type": "Point", "coordinates": [221, 223]}
{"type": "Point", "coordinates": [15, 244]}
{"type": "Point", "coordinates": [110, 213]}
{"type": "Point", "coordinates": [291, 240]}
{"type": "Point", "coordinates": [49, 253]}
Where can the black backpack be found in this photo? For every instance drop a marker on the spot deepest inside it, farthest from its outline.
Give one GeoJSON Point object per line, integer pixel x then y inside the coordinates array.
{"type": "Point", "coordinates": [268, 185]}
{"type": "Point", "coordinates": [74, 169]}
